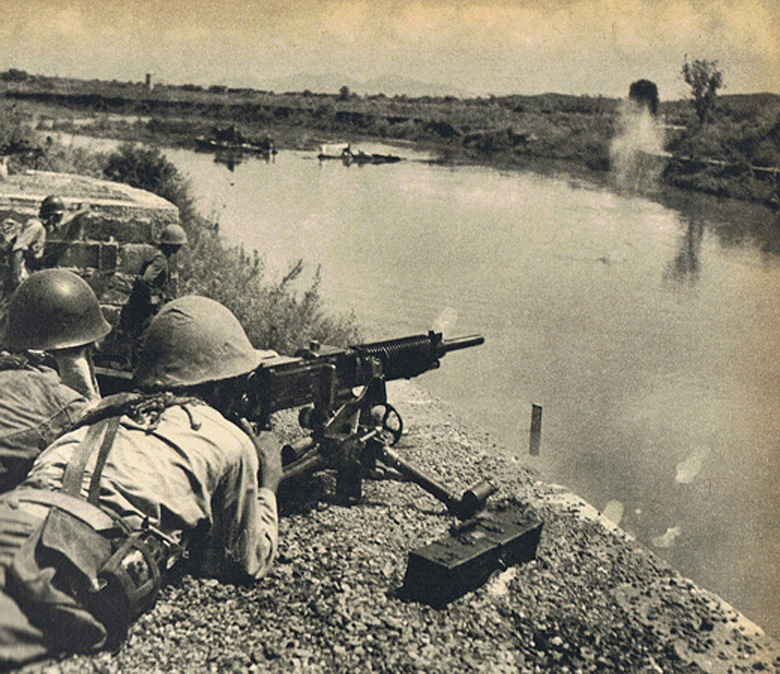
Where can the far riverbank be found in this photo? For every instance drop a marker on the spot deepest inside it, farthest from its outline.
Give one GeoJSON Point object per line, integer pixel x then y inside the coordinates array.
{"type": "Point", "coordinates": [734, 156]}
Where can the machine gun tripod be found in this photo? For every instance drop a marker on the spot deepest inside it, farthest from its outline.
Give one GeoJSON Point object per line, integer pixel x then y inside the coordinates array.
{"type": "Point", "coordinates": [357, 442]}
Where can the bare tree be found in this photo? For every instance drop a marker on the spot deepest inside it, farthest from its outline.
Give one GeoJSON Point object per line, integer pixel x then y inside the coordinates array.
{"type": "Point", "coordinates": [705, 79]}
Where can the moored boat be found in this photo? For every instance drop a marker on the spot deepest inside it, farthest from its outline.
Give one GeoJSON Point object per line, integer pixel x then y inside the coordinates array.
{"type": "Point", "coordinates": [231, 139]}
{"type": "Point", "coordinates": [345, 153]}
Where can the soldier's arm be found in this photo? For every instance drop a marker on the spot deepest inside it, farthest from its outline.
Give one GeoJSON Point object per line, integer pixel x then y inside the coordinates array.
{"type": "Point", "coordinates": [157, 266]}
{"type": "Point", "coordinates": [245, 532]}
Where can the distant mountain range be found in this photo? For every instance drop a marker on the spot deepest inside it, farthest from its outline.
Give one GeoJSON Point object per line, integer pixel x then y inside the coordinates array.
{"type": "Point", "coordinates": [331, 83]}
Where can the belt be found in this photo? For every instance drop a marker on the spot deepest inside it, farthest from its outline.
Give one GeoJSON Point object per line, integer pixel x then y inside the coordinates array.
{"type": "Point", "coordinates": [83, 510]}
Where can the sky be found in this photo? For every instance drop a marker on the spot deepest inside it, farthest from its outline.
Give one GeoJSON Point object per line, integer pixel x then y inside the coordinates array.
{"type": "Point", "coordinates": [592, 47]}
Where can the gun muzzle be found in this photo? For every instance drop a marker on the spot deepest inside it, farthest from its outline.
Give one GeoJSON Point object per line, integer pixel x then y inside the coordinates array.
{"type": "Point", "coordinates": [457, 343]}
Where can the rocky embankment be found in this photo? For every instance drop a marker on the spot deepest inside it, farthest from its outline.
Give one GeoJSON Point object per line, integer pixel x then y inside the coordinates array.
{"type": "Point", "coordinates": [591, 601]}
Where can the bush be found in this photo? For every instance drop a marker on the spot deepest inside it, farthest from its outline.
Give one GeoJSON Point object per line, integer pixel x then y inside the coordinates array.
{"type": "Point", "coordinates": [62, 159]}
{"type": "Point", "coordinates": [14, 75]}
{"type": "Point", "coordinates": [273, 313]}
{"type": "Point", "coordinates": [14, 134]}
{"type": "Point", "coordinates": [149, 169]}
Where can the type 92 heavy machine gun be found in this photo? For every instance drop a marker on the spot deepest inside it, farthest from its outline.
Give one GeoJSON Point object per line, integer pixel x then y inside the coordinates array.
{"type": "Point", "coordinates": [352, 428]}
{"type": "Point", "coordinates": [343, 399]}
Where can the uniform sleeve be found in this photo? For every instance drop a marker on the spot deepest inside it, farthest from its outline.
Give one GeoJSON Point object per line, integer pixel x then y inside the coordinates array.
{"type": "Point", "coordinates": [157, 266]}
{"type": "Point", "coordinates": [245, 534]}
{"type": "Point", "coordinates": [268, 531]}
{"type": "Point", "coordinates": [32, 238]}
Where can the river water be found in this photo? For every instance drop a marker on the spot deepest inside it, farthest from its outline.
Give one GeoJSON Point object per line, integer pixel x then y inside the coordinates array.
{"type": "Point", "coordinates": [646, 328]}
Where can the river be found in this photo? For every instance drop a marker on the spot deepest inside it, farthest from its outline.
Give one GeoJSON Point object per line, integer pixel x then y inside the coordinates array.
{"type": "Point", "coordinates": [646, 328]}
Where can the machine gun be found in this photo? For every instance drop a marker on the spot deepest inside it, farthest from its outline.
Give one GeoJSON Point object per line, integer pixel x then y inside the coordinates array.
{"type": "Point", "coordinates": [352, 427]}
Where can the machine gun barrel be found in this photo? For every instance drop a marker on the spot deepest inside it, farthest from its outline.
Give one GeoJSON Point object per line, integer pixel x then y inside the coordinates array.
{"type": "Point", "coordinates": [458, 343]}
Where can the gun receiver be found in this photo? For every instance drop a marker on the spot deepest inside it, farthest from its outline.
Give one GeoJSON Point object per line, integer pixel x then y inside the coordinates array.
{"type": "Point", "coordinates": [343, 401]}
{"type": "Point", "coordinates": [322, 375]}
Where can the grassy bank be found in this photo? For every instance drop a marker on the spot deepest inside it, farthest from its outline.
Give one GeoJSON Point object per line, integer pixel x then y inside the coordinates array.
{"type": "Point", "coordinates": [728, 157]}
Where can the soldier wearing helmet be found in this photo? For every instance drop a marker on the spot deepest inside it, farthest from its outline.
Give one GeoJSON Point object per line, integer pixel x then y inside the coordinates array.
{"type": "Point", "coordinates": [55, 313]}
{"type": "Point", "coordinates": [155, 283]}
{"type": "Point", "coordinates": [28, 247]}
{"type": "Point", "coordinates": [175, 473]}
{"type": "Point", "coordinates": [59, 227]}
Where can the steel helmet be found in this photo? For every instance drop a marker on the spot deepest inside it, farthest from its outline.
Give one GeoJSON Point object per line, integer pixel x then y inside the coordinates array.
{"type": "Point", "coordinates": [54, 309]}
{"type": "Point", "coordinates": [193, 340]}
{"type": "Point", "coordinates": [173, 235]}
{"type": "Point", "coordinates": [51, 205]}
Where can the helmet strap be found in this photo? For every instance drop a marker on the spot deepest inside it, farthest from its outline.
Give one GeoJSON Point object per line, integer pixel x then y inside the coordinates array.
{"type": "Point", "coordinates": [78, 371]}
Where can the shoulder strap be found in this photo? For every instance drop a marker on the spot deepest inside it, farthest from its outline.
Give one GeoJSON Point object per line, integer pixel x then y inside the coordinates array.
{"type": "Point", "coordinates": [105, 447]}
{"type": "Point", "coordinates": [74, 472]}
{"type": "Point", "coordinates": [143, 408]}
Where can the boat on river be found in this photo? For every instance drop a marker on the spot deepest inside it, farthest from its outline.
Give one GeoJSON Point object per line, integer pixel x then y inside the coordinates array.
{"type": "Point", "coordinates": [345, 153]}
{"type": "Point", "coordinates": [231, 139]}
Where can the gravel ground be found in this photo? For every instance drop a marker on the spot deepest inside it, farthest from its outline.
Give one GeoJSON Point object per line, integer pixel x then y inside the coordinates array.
{"type": "Point", "coordinates": [592, 601]}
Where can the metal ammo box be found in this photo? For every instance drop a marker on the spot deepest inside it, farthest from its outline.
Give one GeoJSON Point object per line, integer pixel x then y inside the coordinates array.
{"type": "Point", "coordinates": [446, 569]}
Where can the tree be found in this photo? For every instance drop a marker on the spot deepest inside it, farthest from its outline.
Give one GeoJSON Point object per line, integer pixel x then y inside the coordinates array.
{"type": "Point", "coordinates": [705, 79]}
{"type": "Point", "coordinates": [344, 93]}
{"type": "Point", "coordinates": [645, 94]}
{"type": "Point", "coordinates": [14, 75]}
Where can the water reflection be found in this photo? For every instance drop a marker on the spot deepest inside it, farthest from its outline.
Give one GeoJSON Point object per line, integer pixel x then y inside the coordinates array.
{"type": "Point", "coordinates": [686, 266]}
{"type": "Point", "coordinates": [228, 159]}
{"type": "Point", "coordinates": [735, 224]}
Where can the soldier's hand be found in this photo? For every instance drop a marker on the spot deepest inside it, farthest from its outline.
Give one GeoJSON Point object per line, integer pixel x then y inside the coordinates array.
{"type": "Point", "coordinates": [269, 452]}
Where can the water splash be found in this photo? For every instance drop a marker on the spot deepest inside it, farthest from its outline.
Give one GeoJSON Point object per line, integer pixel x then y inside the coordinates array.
{"type": "Point", "coordinates": [613, 511]}
{"type": "Point", "coordinates": [636, 153]}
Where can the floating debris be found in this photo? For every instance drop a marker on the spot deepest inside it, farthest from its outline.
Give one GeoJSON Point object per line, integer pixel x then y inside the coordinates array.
{"type": "Point", "coordinates": [668, 539]}
{"type": "Point", "coordinates": [688, 469]}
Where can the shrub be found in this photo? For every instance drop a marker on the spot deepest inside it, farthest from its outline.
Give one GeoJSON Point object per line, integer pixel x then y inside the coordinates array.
{"type": "Point", "coordinates": [148, 169]}
{"type": "Point", "coordinates": [14, 133]}
{"type": "Point", "coordinates": [14, 75]}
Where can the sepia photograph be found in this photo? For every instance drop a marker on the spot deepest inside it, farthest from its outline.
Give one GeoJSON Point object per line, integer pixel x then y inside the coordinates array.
{"type": "Point", "coordinates": [414, 336]}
